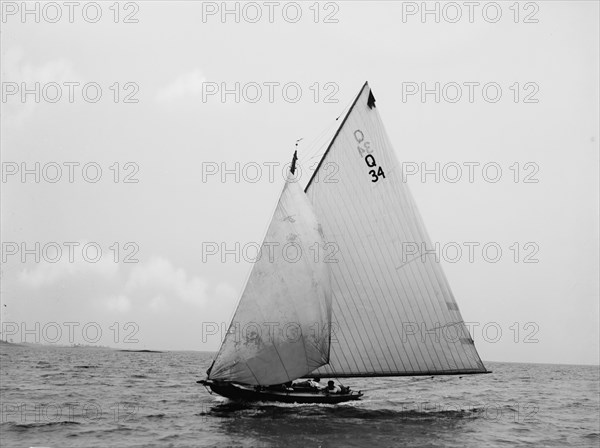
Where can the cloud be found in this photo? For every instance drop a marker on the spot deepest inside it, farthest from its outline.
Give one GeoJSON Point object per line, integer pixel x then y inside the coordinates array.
{"type": "Point", "coordinates": [159, 279]}
{"type": "Point", "coordinates": [162, 300]}
{"type": "Point", "coordinates": [119, 303]}
{"type": "Point", "coordinates": [44, 274]}
{"type": "Point", "coordinates": [226, 292]}
{"type": "Point", "coordinates": [186, 84]}
{"type": "Point", "coordinates": [156, 283]}
{"type": "Point", "coordinates": [16, 69]}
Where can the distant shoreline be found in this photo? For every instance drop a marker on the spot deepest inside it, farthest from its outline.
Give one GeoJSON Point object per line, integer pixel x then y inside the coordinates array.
{"type": "Point", "coordinates": [32, 344]}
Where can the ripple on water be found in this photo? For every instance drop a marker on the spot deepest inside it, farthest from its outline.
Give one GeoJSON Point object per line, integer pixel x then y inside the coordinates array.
{"type": "Point", "coordinates": [152, 400]}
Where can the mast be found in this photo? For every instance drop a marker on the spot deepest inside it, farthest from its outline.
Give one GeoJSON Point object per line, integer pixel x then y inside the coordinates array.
{"type": "Point", "coordinates": [294, 159]}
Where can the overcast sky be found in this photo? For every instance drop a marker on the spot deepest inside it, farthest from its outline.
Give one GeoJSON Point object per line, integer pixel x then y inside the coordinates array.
{"type": "Point", "coordinates": [528, 106]}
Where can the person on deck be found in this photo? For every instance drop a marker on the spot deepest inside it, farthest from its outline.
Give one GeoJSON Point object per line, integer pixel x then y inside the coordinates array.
{"type": "Point", "coordinates": [332, 388]}
{"type": "Point", "coordinates": [316, 384]}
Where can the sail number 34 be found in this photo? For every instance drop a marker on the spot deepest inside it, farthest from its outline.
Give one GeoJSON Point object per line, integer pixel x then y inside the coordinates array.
{"type": "Point", "coordinates": [365, 151]}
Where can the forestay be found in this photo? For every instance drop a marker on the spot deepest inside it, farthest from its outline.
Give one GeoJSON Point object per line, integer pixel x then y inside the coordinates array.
{"type": "Point", "coordinates": [281, 328]}
{"type": "Point", "coordinates": [393, 310]}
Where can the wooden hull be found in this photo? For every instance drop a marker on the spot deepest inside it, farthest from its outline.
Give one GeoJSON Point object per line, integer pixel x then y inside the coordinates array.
{"type": "Point", "coordinates": [241, 392]}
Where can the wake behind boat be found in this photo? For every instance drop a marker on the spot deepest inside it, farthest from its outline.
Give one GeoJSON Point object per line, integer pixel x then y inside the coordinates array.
{"type": "Point", "coordinates": [353, 302]}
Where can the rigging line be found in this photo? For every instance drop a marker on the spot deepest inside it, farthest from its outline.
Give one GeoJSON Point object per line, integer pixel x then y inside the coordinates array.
{"type": "Point", "coordinates": [310, 147]}
{"type": "Point", "coordinates": [310, 154]}
{"type": "Point", "coordinates": [317, 152]}
{"type": "Point", "coordinates": [256, 379]}
{"type": "Point", "coordinates": [315, 148]}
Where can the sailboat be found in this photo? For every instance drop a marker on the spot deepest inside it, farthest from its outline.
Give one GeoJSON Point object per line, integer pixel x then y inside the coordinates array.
{"type": "Point", "coordinates": [346, 301]}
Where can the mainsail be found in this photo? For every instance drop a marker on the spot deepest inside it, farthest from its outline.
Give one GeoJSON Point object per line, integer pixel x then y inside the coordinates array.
{"type": "Point", "coordinates": [281, 328]}
{"type": "Point", "coordinates": [393, 314]}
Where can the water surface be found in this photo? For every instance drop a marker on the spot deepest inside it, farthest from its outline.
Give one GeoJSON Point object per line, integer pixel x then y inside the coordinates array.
{"type": "Point", "coordinates": [92, 397]}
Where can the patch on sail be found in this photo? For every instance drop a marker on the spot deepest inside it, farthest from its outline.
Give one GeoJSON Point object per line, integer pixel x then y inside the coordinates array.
{"type": "Point", "coordinates": [452, 306]}
{"type": "Point", "coordinates": [467, 341]}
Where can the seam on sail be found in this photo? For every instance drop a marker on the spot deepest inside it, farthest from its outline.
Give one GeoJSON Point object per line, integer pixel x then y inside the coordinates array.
{"type": "Point", "coordinates": [416, 282]}
{"type": "Point", "coordinates": [359, 315]}
{"type": "Point", "coordinates": [416, 291]}
{"type": "Point", "coordinates": [419, 286]}
{"type": "Point", "coordinates": [373, 300]}
{"type": "Point", "coordinates": [354, 204]}
{"type": "Point", "coordinates": [416, 228]}
{"type": "Point", "coordinates": [351, 259]}
{"type": "Point", "coordinates": [435, 269]}
{"type": "Point", "coordinates": [340, 309]}
{"type": "Point", "coordinates": [414, 278]}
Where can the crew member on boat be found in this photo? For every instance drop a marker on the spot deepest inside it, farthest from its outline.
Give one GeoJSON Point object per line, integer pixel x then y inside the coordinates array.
{"type": "Point", "coordinates": [333, 388]}
{"type": "Point", "coordinates": [316, 383]}
{"type": "Point", "coordinates": [309, 384]}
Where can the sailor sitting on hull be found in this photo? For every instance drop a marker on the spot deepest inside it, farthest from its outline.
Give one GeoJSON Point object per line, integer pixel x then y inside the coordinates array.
{"type": "Point", "coordinates": [309, 384]}
{"type": "Point", "coordinates": [332, 388]}
{"type": "Point", "coordinates": [316, 383]}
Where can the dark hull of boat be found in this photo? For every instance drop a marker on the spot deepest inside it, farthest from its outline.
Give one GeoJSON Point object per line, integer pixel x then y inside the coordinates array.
{"type": "Point", "coordinates": [248, 393]}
